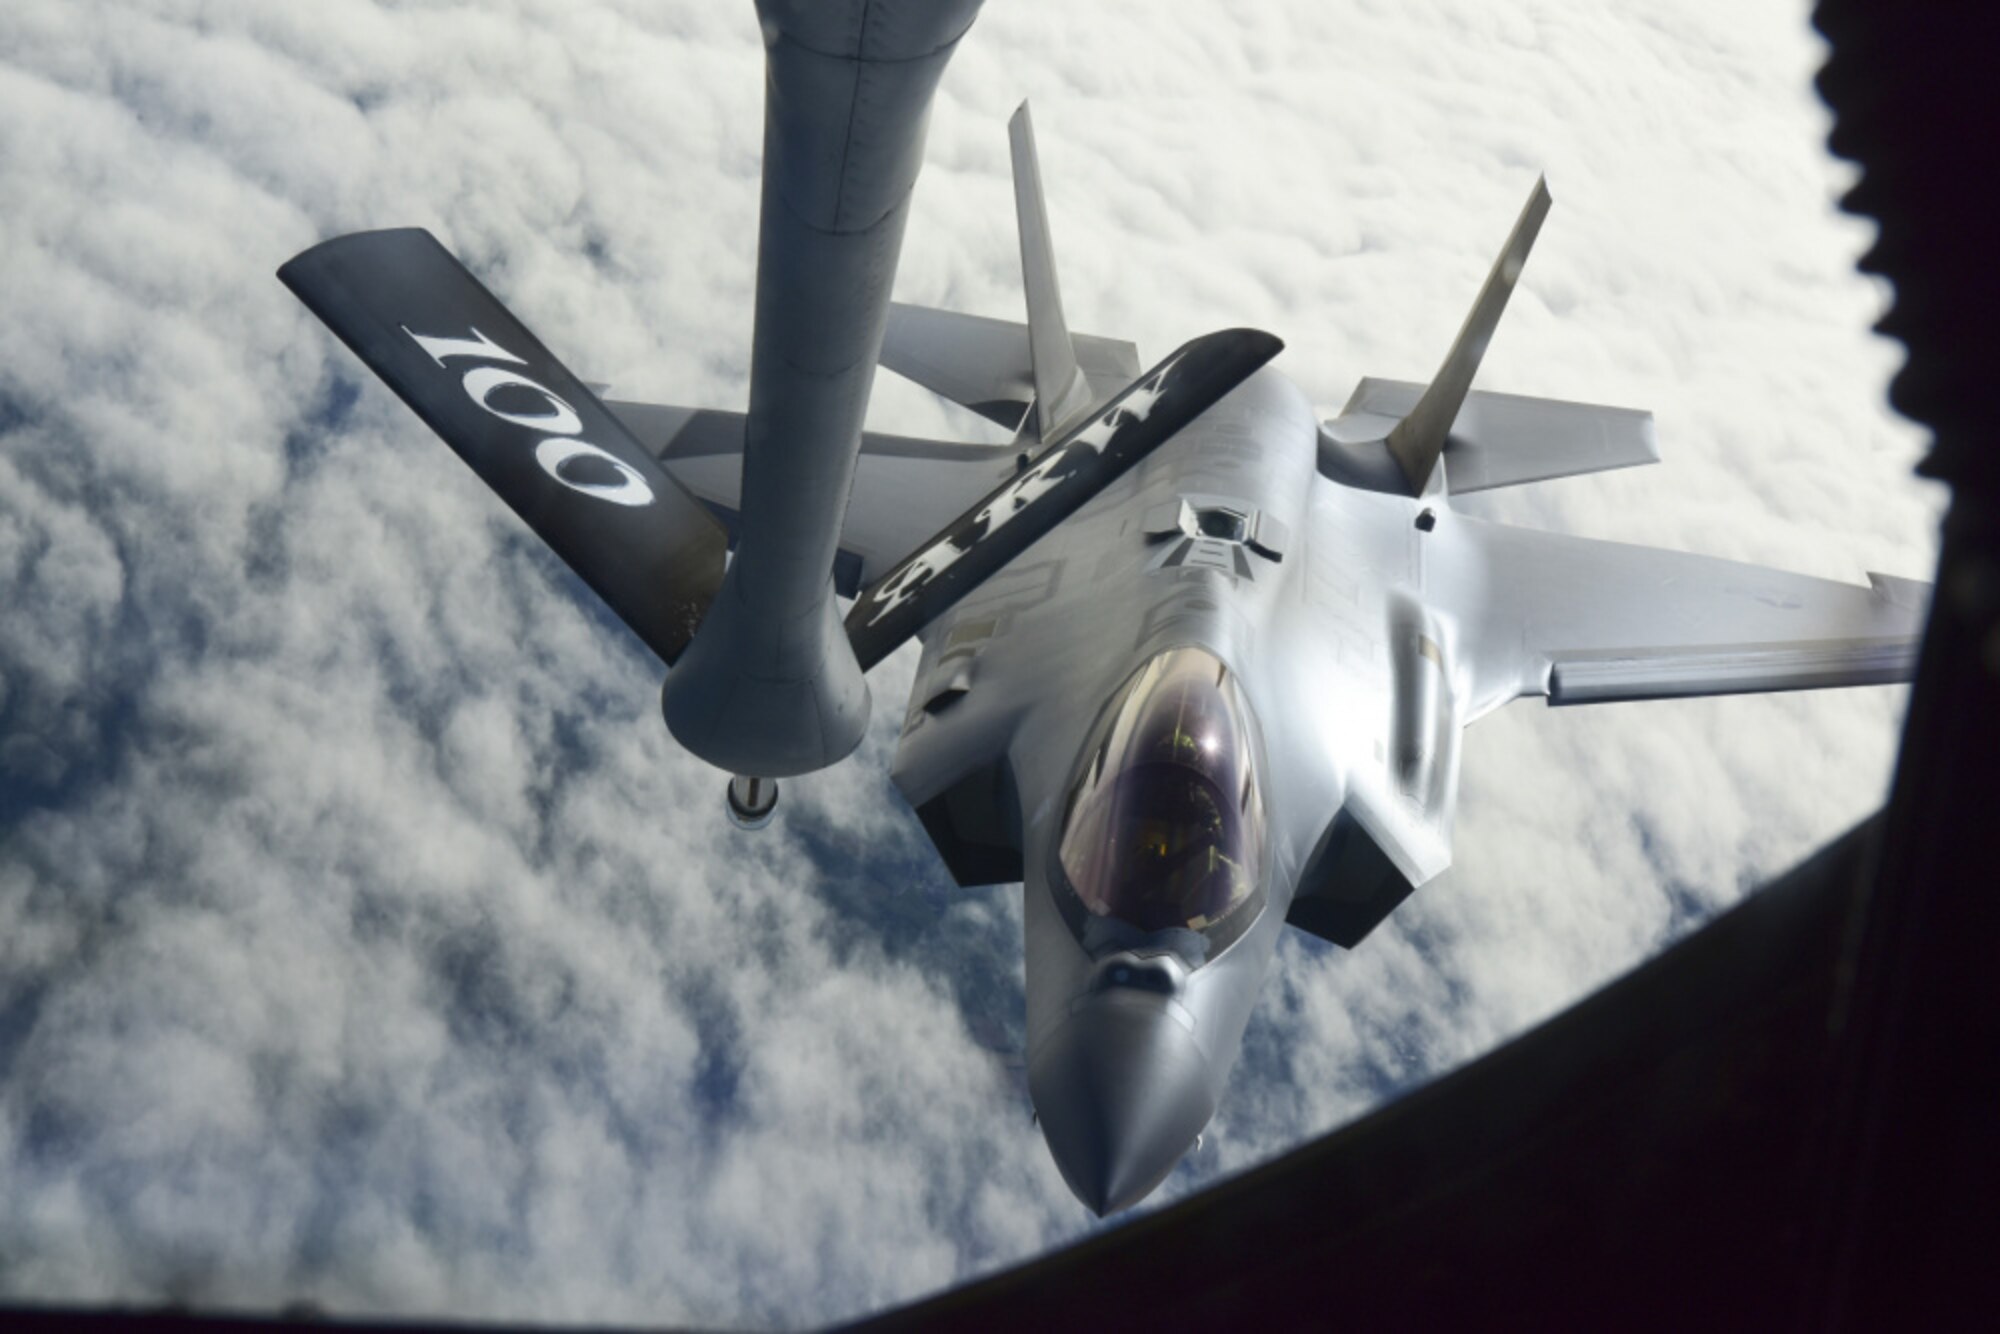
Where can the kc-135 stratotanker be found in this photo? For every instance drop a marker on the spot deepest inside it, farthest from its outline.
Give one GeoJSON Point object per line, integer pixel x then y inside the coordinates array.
{"type": "Point", "coordinates": [1195, 664]}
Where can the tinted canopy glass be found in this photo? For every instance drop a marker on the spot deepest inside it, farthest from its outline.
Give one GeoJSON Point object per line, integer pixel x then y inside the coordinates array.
{"type": "Point", "coordinates": [1164, 828]}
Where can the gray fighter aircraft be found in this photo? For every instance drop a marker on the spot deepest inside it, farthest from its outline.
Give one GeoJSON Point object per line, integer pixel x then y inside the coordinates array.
{"type": "Point", "coordinates": [1195, 664]}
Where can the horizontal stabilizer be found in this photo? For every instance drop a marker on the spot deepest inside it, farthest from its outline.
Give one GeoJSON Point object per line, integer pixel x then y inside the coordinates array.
{"type": "Point", "coordinates": [1507, 439]}
{"type": "Point", "coordinates": [530, 429]}
{"type": "Point", "coordinates": [988, 365]}
{"type": "Point", "coordinates": [904, 486]}
{"type": "Point", "coordinates": [1060, 480]}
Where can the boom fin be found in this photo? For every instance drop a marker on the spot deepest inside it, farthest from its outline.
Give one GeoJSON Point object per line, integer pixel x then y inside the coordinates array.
{"type": "Point", "coordinates": [1059, 481]}
{"type": "Point", "coordinates": [1418, 439]}
{"type": "Point", "coordinates": [1062, 394]}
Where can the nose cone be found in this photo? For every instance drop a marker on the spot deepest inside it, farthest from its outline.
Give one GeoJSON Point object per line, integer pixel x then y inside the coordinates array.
{"type": "Point", "coordinates": [1121, 1091]}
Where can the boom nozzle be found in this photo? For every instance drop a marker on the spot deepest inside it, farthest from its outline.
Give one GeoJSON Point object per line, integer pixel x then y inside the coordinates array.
{"type": "Point", "coordinates": [752, 801]}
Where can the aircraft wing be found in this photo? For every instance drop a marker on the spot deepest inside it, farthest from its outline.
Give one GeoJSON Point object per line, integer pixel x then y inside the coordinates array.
{"type": "Point", "coordinates": [904, 490]}
{"type": "Point", "coordinates": [1594, 622]}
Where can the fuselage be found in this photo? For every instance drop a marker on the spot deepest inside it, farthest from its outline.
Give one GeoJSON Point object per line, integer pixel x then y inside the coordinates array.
{"type": "Point", "coordinates": [1204, 546]}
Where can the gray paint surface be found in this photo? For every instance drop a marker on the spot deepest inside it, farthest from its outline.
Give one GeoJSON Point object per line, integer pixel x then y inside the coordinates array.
{"type": "Point", "coordinates": [769, 686]}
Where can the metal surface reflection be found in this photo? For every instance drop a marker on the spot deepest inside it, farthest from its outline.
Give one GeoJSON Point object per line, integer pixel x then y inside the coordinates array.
{"type": "Point", "coordinates": [1164, 829]}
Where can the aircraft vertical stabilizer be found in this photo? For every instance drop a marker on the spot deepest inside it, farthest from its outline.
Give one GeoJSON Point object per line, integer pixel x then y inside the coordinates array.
{"type": "Point", "coordinates": [1062, 394]}
{"type": "Point", "coordinates": [1418, 439]}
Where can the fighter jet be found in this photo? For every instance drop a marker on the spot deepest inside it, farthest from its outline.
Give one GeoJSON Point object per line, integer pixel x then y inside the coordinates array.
{"type": "Point", "coordinates": [1195, 663]}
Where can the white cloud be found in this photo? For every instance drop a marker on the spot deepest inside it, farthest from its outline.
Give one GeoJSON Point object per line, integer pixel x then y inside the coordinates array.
{"type": "Point", "coordinates": [364, 937]}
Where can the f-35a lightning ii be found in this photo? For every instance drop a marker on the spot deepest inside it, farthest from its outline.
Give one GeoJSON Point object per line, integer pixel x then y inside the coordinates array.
{"type": "Point", "coordinates": [1195, 664]}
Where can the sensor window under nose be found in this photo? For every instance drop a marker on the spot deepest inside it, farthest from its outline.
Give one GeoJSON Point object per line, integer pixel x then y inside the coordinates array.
{"type": "Point", "coordinates": [1135, 976]}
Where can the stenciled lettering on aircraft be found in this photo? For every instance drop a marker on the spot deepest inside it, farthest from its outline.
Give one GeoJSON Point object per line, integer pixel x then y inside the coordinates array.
{"type": "Point", "coordinates": [559, 425]}
{"type": "Point", "coordinates": [1055, 466]}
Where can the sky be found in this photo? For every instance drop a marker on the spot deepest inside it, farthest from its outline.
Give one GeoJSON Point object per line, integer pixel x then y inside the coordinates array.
{"type": "Point", "coordinates": [366, 941]}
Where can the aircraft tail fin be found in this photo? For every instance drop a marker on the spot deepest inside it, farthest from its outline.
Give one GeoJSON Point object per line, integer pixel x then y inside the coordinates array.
{"type": "Point", "coordinates": [531, 430]}
{"type": "Point", "coordinates": [1419, 438]}
{"type": "Point", "coordinates": [1062, 394]}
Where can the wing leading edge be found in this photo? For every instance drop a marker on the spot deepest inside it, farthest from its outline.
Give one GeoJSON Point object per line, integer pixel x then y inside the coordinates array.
{"type": "Point", "coordinates": [1598, 622]}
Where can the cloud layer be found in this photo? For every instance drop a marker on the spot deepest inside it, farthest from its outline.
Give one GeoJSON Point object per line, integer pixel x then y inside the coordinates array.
{"type": "Point", "coordinates": [364, 938]}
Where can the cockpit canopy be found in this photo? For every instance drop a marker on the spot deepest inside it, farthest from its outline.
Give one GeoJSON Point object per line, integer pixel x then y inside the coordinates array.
{"type": "Point", "coordinates": [1164, 827]}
